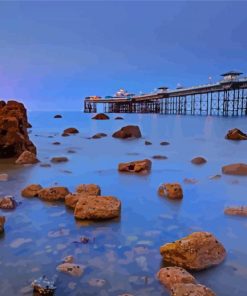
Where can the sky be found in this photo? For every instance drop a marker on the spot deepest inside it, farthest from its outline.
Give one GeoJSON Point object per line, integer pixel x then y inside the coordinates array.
{"type": "Point", "coordinates": [54, 53]}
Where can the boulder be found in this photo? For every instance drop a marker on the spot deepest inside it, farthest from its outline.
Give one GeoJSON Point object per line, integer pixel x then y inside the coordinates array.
{"type": "Point", "coordinates": [89, 189]}
{"type": "Point", "coordinates": [99, 136]}
{"type": "Point", "coordinates": [147, 143]}
{"type": "Point", "coordinates": [160, 157]}
{"type": "Point", "coordinates": [236, 211]}
{"type": "Point", "coordinates": [171, 190]}
{"type": "Point", "coordinates": [71, 269]}
{"type": "Point", "coordinates": [170, 276]}
{"type": "Point", "coordinates": [70, 130]}
{"type": "Point", "coordinates": [164, 143]}
{"type": "Point", "coordinates": [7, 203]}
{"type": "Point", "coordinates": [58, 116]}
{"type": "Point", "coordinates": [236, 134]}
{"type": "Point", "coordinates": [59, 159]}
{"type": "Point", "coordinates": [27, 157]}
{"type": "Point", "coordinates": [198, 160]}
{"type": "Point", "coordinates": [53, 193]}
{"type": "Point", "coordinates": [118, 118]}
{"type": "Point", "coordinates": [31, 190]}
{"type": "Point", "coordinates": [191, 290]}
{"type": "Point", "coordinates": [101, 116]}
{"type": "Point", "coordinates": [4, 177]}
{"type": "Point", "coordinates": [129, 131]}
{"type": "Point", "coordinates": [197, 251]}
{"type": "Point", "coordinates": [235, 169]}
{"type": "Point", "coordinates": [139, 166]}
{"type": "Point", "coordinates": [97, 207]}
{"type": "Point", "coordinates": [14, 137]}
{"type": "Point", "coordinates": [2, 221]}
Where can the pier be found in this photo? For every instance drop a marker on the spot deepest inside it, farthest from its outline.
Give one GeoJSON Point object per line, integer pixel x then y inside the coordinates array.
{"type": "Point", "coordinates": [227, 97]}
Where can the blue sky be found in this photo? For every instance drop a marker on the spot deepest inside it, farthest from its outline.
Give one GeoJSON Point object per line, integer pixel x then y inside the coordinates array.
{"type": "Point", "coordinates": [52, 54]}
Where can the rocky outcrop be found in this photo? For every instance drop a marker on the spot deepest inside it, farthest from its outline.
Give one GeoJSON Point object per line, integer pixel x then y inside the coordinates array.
{"type": "Point", "coordinates": [2, 221]}
{"type": "Point", "coordinates": [31, 190]}
{"type": "Point", "coordinates": [197, 251]}
{"type": "Point", "coordinates": [70, 131]}
{"type": "Point", "coordinates": [139, 166]}
{"type": "Point", "coordinates": [7, 203]}
{"type": "Point", "coordinates": [97, 208]}
{"type": "Point", "coordinates": [27, 157]}
{"type": "Point", "coordinates": [90, 189]}
{"type": "Point", "coordinates": [59, 159]}
{"type": "Point", "coordinates": [191, 290]}
{"type": "Point", "coordinates": [236, 134]}
{"type": "Point", "coordinates": [239, 169]}
{"type": "Point", "coordinates": [236, 211]}
{"type": "Point", "coordinates": [14, 137]}
{"type": "Point", "coordinates": [171, 190]}
{"type": "Point", "coordinates": [129, 131]}
{"type": "Point", "coordinates": [101, 116]}
{"type": "Point", "coordinates": [53, 193]}
{"type": "Point", "coordinates": [198, 160]}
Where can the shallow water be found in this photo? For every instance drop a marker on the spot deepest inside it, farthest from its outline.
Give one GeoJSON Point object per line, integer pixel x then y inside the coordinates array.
{"type": "Point", "coordinates": [124, 252]}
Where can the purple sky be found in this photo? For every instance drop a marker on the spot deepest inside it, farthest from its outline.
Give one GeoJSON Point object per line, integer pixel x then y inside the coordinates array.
{"type": "Point", "coordinates": [52, 54]}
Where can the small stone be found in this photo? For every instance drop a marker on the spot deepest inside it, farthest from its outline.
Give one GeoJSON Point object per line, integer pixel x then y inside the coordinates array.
{"type": "Point", "coordinates": [53, 193]}
{"type": "Point", "coordinates": [139, 166]}
{"type": "Point", "coordinates": [7, 203]}
{"type": "Point", "coordinates": [68, 259]}
{"type": "Point", "coordinates": [57, 116]}
{"type": "Point", "coordinates": [99, 136]}
{"type": "Point", "coordinates": [56, 143]}
{"type": "Point", "coordinates": [236, 134]}
{"type": "Point", "coordinates": [45, 165]}
{"type": "Point", "coordinates": [164, 143]}
{"type": "Point", "coordinates": [101, 116]}
{"type": "Point", "coordinates": [235, 169]}
{"type": "Point", "coordinates": [31, 190]}
{"type": "Point", "coordinates": [27, 157]}
{"type": "Point", "coordinates": [71, 268]}
{"type": "Point", "coordinates": [129, 131]}
{"type": "Point", "coordinates": [147, 143]}
{"type": "Point", "coordinates": [90, 189]}
{"type": "Point", "coordinates": [118, 118]}
{"type": "Point", "coordinates": [216, 177]}
{"type": "Point", "coordinates": [97, 282]}
{"type": "Point", "coordinates": [160, 157]}
{"type": "Point", "coordinates": [190, 181]}
{"type": "Point", "coordinates": [198, 160]}
{"type": "Point", "coordinates": [171, 190]}
{"type": "Point", "coordinates": [59, 159]}
{"type": "Point", "coordinates": [236, 211]}
{"type": "Point", "coordinates": [70, 130]}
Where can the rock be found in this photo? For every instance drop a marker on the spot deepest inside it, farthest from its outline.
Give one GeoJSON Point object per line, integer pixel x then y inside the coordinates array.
{"type": "Point", "coordinates": [170, 276]}
{"type": "Point", "coordinates": [236, 134]}
{"type": "Point", "coordinates": [70, 130]}
{"type": "Point", "coordinates": [171, 190]}
{"type": "Point", "coordinates": [90, 189]}
{"type": "Point", "coordinates": [160, 157]}
{"type": "Point", "coordinates": [99, 136]}
{"type": "Point", "coordinates": [7, 203]}
{"type": "Point", "coordinates": [164, 143]}
{"type": "Point", "coordinates": [118, 118]}
{"type": "Point", "coordinates": [45, 165]}
{"type": "Point", "coordinates": [27, 157]}
{"type": "Point", "coordinates": [97, 207]}
{"type": "Point", "coordinates": [2, 221]}
{"type": "Point", "coordinates": [139, 166]}
{"type": "Point", "coordinates": [236, 211]}
{"type": "Point", "coordinates": [53, 193]}
{"type": "Point", "coordinates": [31, 190]}
{"type": "Point", "coordinates": [71, 268]}
{"type": "Point", "coordinates": [4, 177]}
{"type": "Point", "coordinates": [72, 199]}
{"type": "Point", "coordinates": [235, 169]}
{"type": "Point", "coordinates": [191, 290]}
{"type": "Point", "coordinates": [14, 137]}
{"type": "Point", "coordinates": [147, 143]}
{"type": "Point", "coordinates": [215, 177]}
{"type": "Point", "coordinates": [129, 131]}
{"type": "Point", "coordinates": [71, 151]}
{"type": "Point", "coordinates": [101, 116]}
{"type": "Point", "coordinates": [190, 181]}
{"type": "Point", "coordinates": [199, 250]}
{"type": "Point", "coordinates": [58, 116]}
{"type": "Point", "coordinates": [29, 125]}
{"type": "Point", "coordinates": [65, 135]}
{"type": "Point", "coordinates": [43, 286]}
{"type": "Point", "coordinates": [56, 143]}
{"type": "Point", "coordinates": [59, 159]}
{"type": "Point", "coordinates": [198, 160]}
{"type": "Point", "coordinates": [68, 259]}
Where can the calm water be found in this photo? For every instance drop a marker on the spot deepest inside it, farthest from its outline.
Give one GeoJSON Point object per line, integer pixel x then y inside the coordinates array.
{"type": "Point", "coordinates": [125, 252]}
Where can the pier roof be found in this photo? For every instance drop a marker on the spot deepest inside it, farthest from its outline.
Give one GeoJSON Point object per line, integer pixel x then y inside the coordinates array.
{"type": "Point", "coordinates": [236, 73]}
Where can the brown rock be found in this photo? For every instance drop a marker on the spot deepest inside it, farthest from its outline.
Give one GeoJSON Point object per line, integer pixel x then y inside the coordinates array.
{"type": "Point", "coordinates": [59, 159]}
{"type": "Point", "coordinates": [71, 268]}
{"type": "Point", "coordinates": [118, 118]}
{"type": "Point", "coordinates": [99, 136]}
{"type": "Point", "coordinates": [129, 131]}
{"type": "Point", "coordinates": [236, 211]}
{"type": "Point", "coordinates": [171, 190]}
{"type": "Point", "coordinates": [27, 157]}
{"type": "Point", "coordinates": [29, 125]}
{"type": "Point", "coordinates": [57, 116]}
{"type": "Point", "coordinates": [139, 166]}
{"type": "Point", "coordinates": [235, 169]}
{"type": "Point", "coordinates": [14, 137]}
{"type": "Point", "coordinates": [198, 160]}
{"type": "Point", "coordinates": [7, 203]}
{"type": "Point", "coordinates": [101, 116]}
{"type": "Point", "coordinates": [89, 189]}
{"type": "Point", "coordinates": [53, 193]}
{"type": "Point", "coordinates": [70, 130]}
{"type": "Point", "coordinates": [236, 134]}
{"type": "Point", "coordinates": [72, 199]}
{"type": "Point", "coordinates": [191, 290]}
{"type": "Point", "coordinates": [197, 251]}
{"type": "Point", "coordinates": [2, 221]}
{"type": "Point", "coordinates": [170, 276]}
{"type": "Point", "coordinates": [97, 207]}
{"type": "Point", "coordinates": [31, 190]}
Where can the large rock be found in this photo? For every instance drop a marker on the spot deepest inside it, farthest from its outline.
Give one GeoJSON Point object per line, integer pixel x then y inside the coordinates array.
{"type": "Point", "coordinates": [14, 137]}
{"type": "Point", "coordinates": [129, 131]}
{"type": "Point", "coordinates": [236, 211]}
{"type": "Point", "coordinates": [199, 160]}
{"type": "Point", "coordinates": [171, 190]}
{"type": "Point", "coordinates": [2, 221]}
{"type": "Point", "coordinates": [27, 157]}
{"type": "Point", "coordinates": [101, 116]}
{"type": "Point", "coordinates": [139, 166]}
{"type": "Point", "coordinates": [97, 207]}
{"type": "Point", "coordinates": [235, 169]}
{"type": "Point", "coordinates": [90, 189]}
{"type": "Point", "coordinates": [31, 190]}
{"type": "Point", "coordinates": [7, 203]}
{"type": "Point", "coordinates": [236, 134]}
{"type": "Point", "coordinates": [197, 251]}
{"type": "Point", "coordinates": [191, 290]}
{"type": "Point", "coordinates": [53, 193]}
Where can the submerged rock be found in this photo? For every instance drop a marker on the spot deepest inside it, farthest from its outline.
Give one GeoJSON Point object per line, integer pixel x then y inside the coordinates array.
{"type": "Point", "coordinates": [4, 177]}
{"type": "Point", "coordinates": [129, 131]}
{"type": "Point", "coordinates": [53, 193]}
{"type": "Point", "coordinates": [171, 190]}
{"type": "Point", "coordinates": [2, 222]}
{"type": "Point", "coordinates": [118, 118]}
{"type": "Point", "coordinates": [235, 169]}
{"type": "Point", "coordinates": [97, 207]}
{"type": "Point", "coordinates": [27, 157]}
{"type": "Point", "coordinates": [58, 116]}
{"type": "Point", "coordinates": [7, 203]}
{"type": "Point", "coordinates": [197, 251]}
{"type": "Point", "coordinates": [199, 160]}
{"type": "Point", "coordinates": [139, 166]}
{"type": "Point", "coordinates": [236, 211]}
{"type": "Point", "coordinates": [147, 143]}
{"type": "Point", "coordinates": [160, 157]}
{"type": "Point", "coordinates": [164, 143]}
{"type": "Point", "coordinates": [90, 189]}
{"type": "Point", "coordinates": [72, 199]}
{"type": "Point", "coordinates": [99, 136]}
{"type": "Point", "coordinates": [56, 143]}
{"type": "Point", "coordinates": [70, 130]}
{"type": "Point", "coordinates": [236, 134]}
{"type": "Point", "coordinates": [59, 159]}
{"type": "Point", "coordinates": [43, 286]}
{"type": "Point", "coordinates": [190, 180]}
{"type": "Point", "coordinates": [31, 190]}
{"type": "Point", "coordinates": [101, 116]}
{"type": "Point", "coordinates": [70, 268]}
{"type": "Point", "coordinates": [191, 290]}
